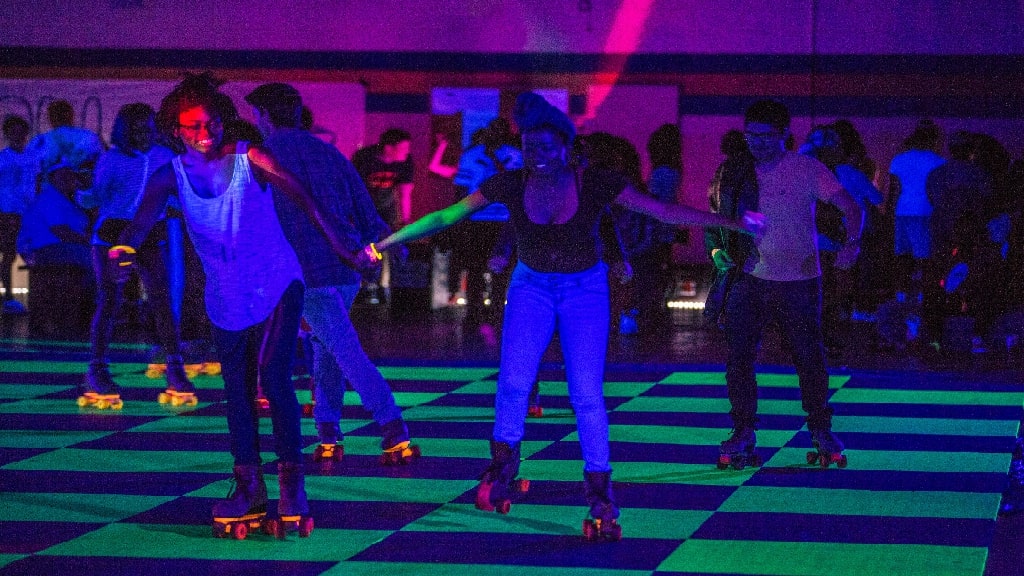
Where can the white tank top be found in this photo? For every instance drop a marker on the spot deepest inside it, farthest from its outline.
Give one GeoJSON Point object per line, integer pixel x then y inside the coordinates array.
{"type": "Point", "coordinates": [248, 262]}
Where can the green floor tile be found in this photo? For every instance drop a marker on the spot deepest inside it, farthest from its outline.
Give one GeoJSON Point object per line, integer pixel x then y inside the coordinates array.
{"type": "Point", "coordinates": [170, 540]}
{"type": "Point", "coordinates": [923, 504]}
{"type": "Point", "coordinates": [45, 507]}
{"type": "Point", "coordinates": [46, 438]}
{"type": "Point", "coordinates": [20, 391]}
{"type": "Point", "coordinates": [641, 472]}
{"type": "Point", "coordinates": [943, 426]}
{"type": "Point", "coordinates": [938, 462]}
{"type": "Point", "coordinates": [817, 559]}
{"type": "Point", "coordinates": [687, 435]}
{"type": "Point", "coordinates": [439, 373]}
{"type": "Point", "coordinates": [6, 559]}
{"type": "Point", "coordinates": [943, 397]}
{"type": "Point", "coordinates": [129, 461]}
{"type": "Point", "coordinates": [375, 569]}
{"type": "Point", "coordinates": [705, 405]}
{"type": "Point", "coordinates": [773, 380]}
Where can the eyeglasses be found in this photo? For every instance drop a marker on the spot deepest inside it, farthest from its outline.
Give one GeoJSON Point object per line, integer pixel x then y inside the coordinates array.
{"type": "Point", "coordinates": [212, 125]}
{"type": "Point", "coordinates": [762, 136]}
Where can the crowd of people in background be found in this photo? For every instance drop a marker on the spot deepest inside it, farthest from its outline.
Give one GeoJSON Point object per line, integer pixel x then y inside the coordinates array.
{"type": "Point", "coordinates": [281, 224]}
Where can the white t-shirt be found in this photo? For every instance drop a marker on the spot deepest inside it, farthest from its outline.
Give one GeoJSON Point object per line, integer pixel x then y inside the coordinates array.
{"type": "Point", "coordinates": [912, 168]}
{"type": "Point", "coordinates": [787, 191]}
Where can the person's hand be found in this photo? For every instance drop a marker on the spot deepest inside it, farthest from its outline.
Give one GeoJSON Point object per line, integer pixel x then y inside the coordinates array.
{"type": "Point", "coordinates": [753, 223]}
{"type": "Point", "coordinates": [120, 262]}
{"type": "Point", "coordinates": [368, 259]}
{"type": "Point", "coordinates": [847, 255]}
{"type": "Point", "coordinates": [722, 259]}
{"type": "Point", "coordinates": [497, 264]}
{"type": "Point", "coordinates": [622, 271]}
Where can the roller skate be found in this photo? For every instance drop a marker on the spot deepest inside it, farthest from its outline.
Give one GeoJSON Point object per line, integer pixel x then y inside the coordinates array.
{"type": "Point", "coordinates": [738, 450]}
{"type": "Point", "coordinates": [534, 409]}
{"type": "Point", "coordinates": [245, 508]}
{"type": "Point", "coordinates": [395, 443]}
{"type": "Point", "coordinates": [329, 450]}
{"type": "Point", "coordinates": [99, 389]}
{"type": "Point", "coordinates": [180, 390]}
{"type": "Point", "coordinates": [292, 508]}
{"type": "Point", "coordinates": [602, 524]}
{"type": "Point", "coordinates": [498, 483]}
{"type": "Point", "coordinates": [827, 450]}
{"type": "Point", "coordinates": [155, 370]}
{"type": "Point", "coordinates": [262, 404]}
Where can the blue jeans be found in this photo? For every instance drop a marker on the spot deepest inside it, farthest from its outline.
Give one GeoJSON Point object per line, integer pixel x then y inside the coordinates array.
{"type": "Point", "coordinates": [577, 306]}
{"type": "Point", "coordinates": [339, 357]}
{"type": "Point", "coordinates": [263, 352]}
{"type": "Point", "coordinates": [796, 306]}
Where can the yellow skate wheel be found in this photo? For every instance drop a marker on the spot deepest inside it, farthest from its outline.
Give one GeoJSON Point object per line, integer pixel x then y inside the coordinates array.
{"type": "Point", "coordinates": [192, 400]}
{"type": "Point", "coordinates": [163, 398]}
{"type": "Point", "coordinates": [102, 404]}
{"type": "Point", "coordinates": [155, 370]}
{"type": "Point", "coordinates": [177, 400]}
{"type": "Point", "coordinates": [82, 401]}
{"type": "Point", "coordinates": [193, 370]}
{"type": "Point", "coordinates": [117, 404]}
{"type": "Point", "coordinates": [211, 368]}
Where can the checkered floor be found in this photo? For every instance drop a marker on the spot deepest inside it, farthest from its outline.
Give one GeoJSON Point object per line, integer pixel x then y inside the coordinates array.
{"type": "Point", "coordinates": [130, 492]}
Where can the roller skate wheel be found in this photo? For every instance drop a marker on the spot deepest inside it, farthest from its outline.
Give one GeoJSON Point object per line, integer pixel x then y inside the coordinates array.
{"type": "Point", "coordinates": [842, 462]}
{"type": "Point", "coordinates": [522, 485]}
{"type": "Point", "coordinates": [192, 401]}
{"type": "Point", "coordinates": [738, 464]}
{"type": "Point", "coordinates": [163, 398]}
{"type": "Point", "coordinates": [219, 530]}
{"type": "Point", "coordinates": [755, 460]}
{"type": "Point", "coordinates": [611, 530]}
{"type": "Point", "coordinates": [82, 401]}
{"type": "Point", "coordinates": [211, 368]}
{"type": "Point", "coordinates": [239, 530]}
{"type": "Point", "coordinates": [824, 460]}
{"type": "Point", "coordinates": [812, 457]}
{"type": "Point", "coordinates": [503, 507]}
{"type": "Point", "coordinates": [177, 400]}
{"type": "Point", "coordinates": [483, 497]}
{"type": "Point", "coordinates": [307, 410]}
{"type": "Point", "coordinates": [535, 411]}
{"type": "Point", "coordinates": [117, 404]}
{"type": "Point", "coordinates": [155, 370]}
{"type": "Point", "coordinates": [305, 527]}
{"type": "Point", "coordinates": [102, 404]}
{"type": "Point", "coordinates": [269, 526]}
{"type": "Point", "coordinates": [590, 530]}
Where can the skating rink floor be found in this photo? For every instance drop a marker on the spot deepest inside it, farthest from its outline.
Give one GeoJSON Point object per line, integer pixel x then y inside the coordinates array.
{"type": "Point", "coordinates": [108, 492]}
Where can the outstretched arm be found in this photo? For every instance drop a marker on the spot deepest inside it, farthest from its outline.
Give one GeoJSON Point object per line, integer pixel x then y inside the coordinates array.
{"type": "Point", "coordinates": [435, 221]}
{"type": "Point", "coordinates": [284, 181]}
{"type": "Point", "coordinates": [159, 188]}
{"type": "Point", "coordinates": [677, 213]}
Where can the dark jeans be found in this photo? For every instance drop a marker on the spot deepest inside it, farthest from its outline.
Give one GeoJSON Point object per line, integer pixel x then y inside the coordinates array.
{"type": "Point", "coordinates": [152, 269]}
{"type": "Point", "coordinates": [263, 352]}
{"type": "Point", "coordinates": [796, 307]}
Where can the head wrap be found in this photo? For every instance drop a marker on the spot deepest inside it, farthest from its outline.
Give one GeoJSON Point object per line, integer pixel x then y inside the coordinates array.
{"type": "Point", "coordinates": [532, 111]}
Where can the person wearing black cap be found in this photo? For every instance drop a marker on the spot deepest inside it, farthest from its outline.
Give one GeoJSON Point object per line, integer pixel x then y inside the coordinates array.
{"type": "Point", "coordinates": [559, 283]}
{"type": "Point", "coordinates": [331, 286]}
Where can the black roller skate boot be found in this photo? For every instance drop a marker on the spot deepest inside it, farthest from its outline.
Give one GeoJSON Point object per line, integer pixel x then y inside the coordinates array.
{"type": "Point", "coordinates": [329, 450]}
{"type": "Point", "coordinates": [245, 507]}
{"type": "Point", "coordinates": [602, 524]}
{"type": "Point", "coordinates": [99, 388]}
{"type": "Point", "coordinates": [738, 450]}
{"type": "Point", "coordinates": [395, 444]}
{"type": "Point", "coordinates": [827, 449]}
{"type": "Point", "coordinates": [292, 508]}
{"type": "Point", "coordinates": [180, 390]}
{"type": "Point", "coordinates": [499, 484]}
{"type": "Point", "coordinates": [534, 409]}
